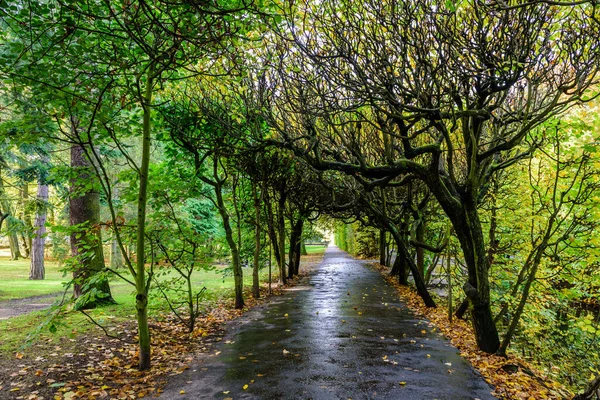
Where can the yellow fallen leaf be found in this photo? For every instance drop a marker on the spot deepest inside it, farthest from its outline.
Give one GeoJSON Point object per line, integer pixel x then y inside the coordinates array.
{"type": "Point", "coordinates": [242, 358]}
{"type": "Point", "coordinates": [428, 355]}
{"type": "Point", "coordinates": [423, 331]}
{"type": "Point", "coordinates": [285, 315]}
{"type": "Point", "coordinates": [285, 352]}
{"type": "Point", "coordinates": [245, 387]}
{"type": "Point", "coordinates": [260, 375]}
{"type": "Point", "coordinates": [182, 391]}
{"type": "Point", "coordinates": [226, 392]}
{"type": "Point", "coordinates": [19, 355]}
{"type": "Point", "coordinates": [402, 383]}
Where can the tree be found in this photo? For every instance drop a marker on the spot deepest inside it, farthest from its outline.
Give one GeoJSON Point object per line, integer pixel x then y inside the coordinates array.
{"type": "Point", "coordinates": [114, 54]}
{"type": "Point", "coordinates": [37, 270]}
{"type": "Point", "coordinates": [449, 103]}
{"type": "Point", "coordinates": [86, 238]}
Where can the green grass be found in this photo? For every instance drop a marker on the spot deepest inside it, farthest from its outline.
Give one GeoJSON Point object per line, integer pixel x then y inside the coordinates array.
{"type": "Point", "coordinates": [14, 283]}
{"type": "Point", "coordinates": [315, 248]}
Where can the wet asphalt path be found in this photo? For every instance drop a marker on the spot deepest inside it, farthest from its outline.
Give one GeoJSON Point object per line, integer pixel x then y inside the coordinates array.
{"type": "Point", "coordinates": [345, 335]}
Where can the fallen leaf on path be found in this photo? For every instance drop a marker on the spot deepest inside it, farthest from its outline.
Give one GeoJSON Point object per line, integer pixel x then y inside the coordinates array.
{"type": "Point", "coordinates": [245, 386]}
{"type": "Point", "coordinates": [285, 352]}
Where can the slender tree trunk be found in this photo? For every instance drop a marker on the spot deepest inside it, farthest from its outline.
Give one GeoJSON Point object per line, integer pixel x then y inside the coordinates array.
{"type": "Point", "coordinates": [297, 246]}
{"type": "Point", "coordinates": [514, 322]}
{"type": "Point", "coordinates": [449, 279]}
{"type": "Point", "coordinates": [13, 240]}
{"type": "Point", "coordinates": [420, 236]}
{"type": "Point", "coordinates": [86, 239]}
{"type": "Point", "coordinates": [233, 247]}
{"type": "Point", "coordinates": [37, 271]}
{"type": "Point", "coordinates": [534, 263]}
{"type": "Point", "coordinates": [270, 266]}
{"type": "Point", "coordinates": [382, 247]}
{"type": "Point", "coordinates": [116, 258]}
{"type": "Point", "coordinates": [419, 283]}
{"type": "Point", "coordinates": [256, 263]}
{"type": "Point", "coordinates": [26, 235]}
{"type": "Point", "coordinates": [400, 267]}
{"type": "Point", "coordinates": [296, 232]}
{"type": "Point", "coordinates": [271, 228]}
{"type": "Point", "coordinates": [116, 255]}
{"type": "Point", "coordinates": [141, 286]}
{"type": "Point", "coordinates": [298, 251]}
{"type": "Point", "coordinates": [281, 229]}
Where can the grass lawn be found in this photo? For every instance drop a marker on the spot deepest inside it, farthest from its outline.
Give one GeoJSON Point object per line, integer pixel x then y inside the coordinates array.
{"type": "Point", "coordinates": [14, 283]}
{"type": "Point", "coordinates": [315, 248]}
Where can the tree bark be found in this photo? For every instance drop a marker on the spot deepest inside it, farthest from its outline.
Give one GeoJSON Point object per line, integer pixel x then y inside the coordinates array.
{"type": "Point", "coordinates": [591, 391]}
{"type": "Point", "coordinates": [420, 235]}
{"type": "Point", "coordinates": [298, 248]}
{"type": "Point", "coordinates": [37, 271]}
{"type": "Point", "coordinates": [271, 228]}
{"type": "Point", "coordinates": [256, 263]}
{"type": "Point", "coordinates": [233, 247]}
{"type": "Point", "coordinates": [467, 226]}
{"type": "Point", "coordinates": [13, 240]}
{"type": "Point", "coordinates": [281, 229]}
{"type": "Point", "coordinates": [141, 286]}
{"type": "Point", "coordinates": [419, 282]}
{"type": "Point", "coordinates": [449, 279]}
{"type": "Point", "coordinates": [382, 247]}
{"type": "Point", "coordinates": [26, 235]}
{"type": "Point", "coordinates": [294, 256]}
{"type": "Point", "coordinates": [86, 239]}
{"type": "Point", "coordinates": [116, 258]}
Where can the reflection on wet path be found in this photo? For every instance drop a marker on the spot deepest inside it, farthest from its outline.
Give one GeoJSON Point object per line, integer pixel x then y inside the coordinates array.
{"type": "Point", "coordinates": [345, 335]}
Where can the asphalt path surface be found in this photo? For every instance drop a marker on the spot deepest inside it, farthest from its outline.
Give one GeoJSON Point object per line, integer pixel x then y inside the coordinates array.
{"type": "Point", "coordinates": [343, 335]}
